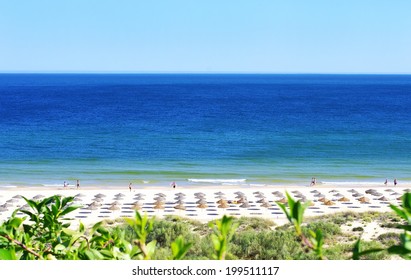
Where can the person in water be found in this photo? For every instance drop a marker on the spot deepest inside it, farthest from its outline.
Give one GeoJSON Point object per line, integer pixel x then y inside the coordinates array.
{"type": "Point", "coordinates": [173, 185]}
{"type": "Point", "coordinates": [129, 186]}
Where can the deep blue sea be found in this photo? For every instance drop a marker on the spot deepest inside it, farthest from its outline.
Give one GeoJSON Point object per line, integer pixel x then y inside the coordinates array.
{"type": "Point", "coordinates": [108, 130]}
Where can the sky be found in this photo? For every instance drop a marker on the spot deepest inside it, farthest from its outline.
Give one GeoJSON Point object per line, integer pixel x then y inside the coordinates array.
{"type": "Point", "coordinates": [206, 36]}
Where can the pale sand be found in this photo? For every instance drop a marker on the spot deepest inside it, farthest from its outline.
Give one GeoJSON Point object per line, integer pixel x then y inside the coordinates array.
{"type": "Point", "coordinates": [212, 211]}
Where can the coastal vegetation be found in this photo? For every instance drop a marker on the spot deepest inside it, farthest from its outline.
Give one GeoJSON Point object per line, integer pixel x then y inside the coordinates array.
{"type": "Point", "coordinates": [43, 232]}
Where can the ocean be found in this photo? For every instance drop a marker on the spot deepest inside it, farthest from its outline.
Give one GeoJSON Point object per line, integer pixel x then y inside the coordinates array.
{"type": "Point", "coordinates": [112, 129]}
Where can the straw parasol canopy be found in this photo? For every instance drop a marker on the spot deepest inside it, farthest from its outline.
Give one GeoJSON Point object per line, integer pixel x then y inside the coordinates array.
{"type": "Point", "coordinates": [159, 198]}
{"type": "Point", "coordinates": [357, 195]}
{"type": "Point", "coordinates": [395, 193]}
{"type": "Point", "coordinates": [364, 199]}
{"type": "Point", "coordinates": [383, 198]}
{"type": "Point", "coordinates": [407, 190]}
{"type": "Point", "coordinates": [329, 203]}
{"type": "Point", "coordinates": [114, 208]}
{"type": "Point", "coordinates": [260, 196]}
{"type": "Point", "coordinates": [17, 196]}
{"type": "Point", "coordinates": [319, 195]}
{"type": "Point", "coordinates": [263, 200]}
{"type": "Point", "coordinates": [242, 200]}
{"type": "Point", "coordinates": [92, 207]}
{"type": "Point", "coordinates": [116, 203]}
{"type": "Point", "coordinates": [221, 201]}
{"type": "Point", "coordinates": [369, 191]}
{"type": "Point", "coordinates": [199, 194]}
{"type": "Point", "coordinates": [80, 195]}
{"type": "Point", "coordinates": [160, 194]}
{"type": "Point", "coordinates": [314, 191]}
{"type": "Point", "coordinates": [179, 201]}
{"type": "Point", "coordinates": [322, 199]}
{"type": "Point", "coordinates": [277, 193]}
{"type": "Point", "coordinates": [159, 206]}
{"type": "Point", "coordinates": [99, 195]}
{"type": "Point", "coordinates": [376, 194]}
{"type": "Point", "coordinates": [245, 205]}
{"type": "Point", "coordinates": [180, 194]}
{"type": "Point", "coordinates": [223, 205]}
{"type": "Point", "coordinates": [136, 206]}
{"type": "Point", "coordinates": [201, 201]}
{"type": "Point", "coordinates": [95, 203]}
{"type": "Point", "coordinates": [266, 205]}
{"type": "Point", "coordinates": [352, 191]}
{"type": "Point", "coordinates": [238, 193]}
{"type": "Point", "coordinates": [338, 195]}
{"type": "Point", "coordinates": [38, 197]}
{"type": "Point", "coordinates": [282, 200]}
{"type": "Point", "coordinates": [219, 193]}
{"type": "Point", "coordinates": [202, 206]}
{"type": "Point", "coordinates": [77, 199]}
{"type": "Point", "coordinates": [299, 196]}
{"type": "Point", "coordinates": [343, 199]}
{"type": "Point", "coordinates": [119, 195]}
{"type": "Point", "coordinates": [180, 207]}
{"type": "Point", "coordinates": [389, 190]}
{"type": "Point", "coordinates": [333, 191]}
{"type": "Point", "coordinates": [97, 199]}
{"type": "Point", "coordinates": [3, 209]}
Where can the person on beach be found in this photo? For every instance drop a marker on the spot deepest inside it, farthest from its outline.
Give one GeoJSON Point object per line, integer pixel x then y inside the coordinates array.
{"type": "Point", "coordinates": [386, 182]}
{"type": "Point", "coordinates": [173, 185]}
{"type": "Point", "coordinates": [65, 184]}
{"type": "Point", "coordinates": [313, 181]}
{"type": "Point", "coordinates": [78, 184]}
{"type": "Point", "coordinates": [395, 182]}
{"type": "Point", "coordinates": [129, 186]}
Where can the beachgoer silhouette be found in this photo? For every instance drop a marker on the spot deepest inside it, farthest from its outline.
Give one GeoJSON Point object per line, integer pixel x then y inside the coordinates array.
{"type": "Point", "coordinates": [129, 186]}
{"type": "Point", "coordinates": [65, 184]}
{"type": "Point", "coordinates": [78, 184]}
{"type": "Point", "coordinates": [386, 182]}
{"type": "Point", "coordinates": [173, 184]}
{"type": "Point", "coordinates": [395, 182]}
{"type": "Point", "coordinates": [313, 181]}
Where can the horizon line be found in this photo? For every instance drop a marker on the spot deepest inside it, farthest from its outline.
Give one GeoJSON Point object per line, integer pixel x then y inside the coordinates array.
{"type": "Point", "coordinates": [199, 73]}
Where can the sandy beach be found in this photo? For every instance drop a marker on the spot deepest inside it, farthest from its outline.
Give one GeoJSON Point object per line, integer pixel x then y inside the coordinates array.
{"type": "Point", "coordinates": [206, 203]}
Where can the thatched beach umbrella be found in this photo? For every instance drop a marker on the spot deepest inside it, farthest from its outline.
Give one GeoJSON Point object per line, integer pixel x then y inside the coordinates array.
{"type": "Point", "coordinates": [352, 191]}
{"type": "Point", "coordinates": [17, 196]}
{"type": "Point", "coordinates": [263, 200]}
{"type": "Point", "coordinates": [266, 205]}
{"type": "Point", "coordinates": [136, 206]}
{"type": "Point", "coordinates": [407, 190]}
{"type": "Point", "coordinates": [282, 200]}
{"type": "Point", "coordinates": [77, 199]}
{"type": "Point", "coordinates": [3, 209]}
{"type": "Point", "coordinates": [119, 195]}
{"type": "Point", "coordinates": [357, 195]}
{"type": "Point", "coordinates": [96, 204]}
{"type": "Point", "coordinates": [319, 195]}
{"type": "Point", "coordinates": [159, 206]}
{"type": "Point", "coordinates": [97, 199]}
{"type": "Point", "coordinates": [223, 206]}
{"type": "Point", "coordinates": [277, 193]}
{"type": "Point", "coordinates": [221, 201]}
{"type": "Point", "coordinates": [242, 200]}
{"type": "Point", "coordinates": [260, 196]}
{"type": "Point", "coordinates": [219, 193]}
{"type": "Point", "coordinates": [199, 194]}
{"type": "Point", "coordinates": [239, 193]}
{"type": "Point", "coordinates": [364, 199]}
{"type": "Point", "coordinates": [80, 195]}
{"type": "Point", "coordinates": [179, 201]}
{"type": "Point", "coordinates": [338, 195]}
{"type": "Point", "coordinates": [245, 205]}
{"type": "Point", "coordinates": [329, 203]}
{"type": "Point", "coordinates": [99, 195]}
{"type": "Point", "coordinates": [201, 201]}
{"type": "Point", "coordinates": [322, 199]}
{"type": "Point", "coordinates": [92, 207]}
{"type": "Point", "coordinates": [160, 194]}
{"type": "Point", "coordinates": [395, 193]}
{"type": "Point", "coordinates": [38, 197]}
{"type": "Point", "coordinates": [333, 191]}
{"type": "Point", "coordinates": [383, 198]}
{"type": "Point", "coordinates": [180, 207]}
{"type": "Point", "coordinates": [370, 191]}
{"type": "Point", "coordinates": [314, 191]}
{"type": "Point", "coordinates": [114, 208]}
{"type": "Point", "coordinates": [180, 194]}
{"type": "Point", "coordinates": [299, 196]}
{"type": "Point", "coordinates": [220, 196]}
{"type": "Point", "coordinates": [115, 203]}
{"type": "Point", "coordinates": [159, 198]}
{"type": "Point", "coordinates": [343, 199]}
{"type": "Point", "coordinates": [202, 206]}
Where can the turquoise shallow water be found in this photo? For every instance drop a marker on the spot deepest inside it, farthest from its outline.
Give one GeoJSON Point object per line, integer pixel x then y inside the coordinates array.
{"type": "Point", "coordinates": [109, 130]}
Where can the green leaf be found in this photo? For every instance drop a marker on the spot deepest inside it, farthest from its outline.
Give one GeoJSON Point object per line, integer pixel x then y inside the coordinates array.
{"type": "Point", "coordinates": [151, 248]}
{"type": "Point", "coordinates": [69, 209]}
{"type": "Point", "coordinates": [7, 255]}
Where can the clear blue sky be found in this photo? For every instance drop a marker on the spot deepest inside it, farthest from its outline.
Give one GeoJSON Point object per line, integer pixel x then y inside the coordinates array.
{"type": "Point", "coordinates": [273, 36]}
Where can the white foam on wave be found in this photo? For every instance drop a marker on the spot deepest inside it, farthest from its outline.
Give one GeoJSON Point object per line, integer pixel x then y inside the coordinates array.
{"type": "Point", "coordinates": [218, 181]}
{"type": "Point", "coordinates": [53, 185]}
{"type": "Point", "coordinates": [8, 187]}
{"type": "Point", "coordinates": [351, 183]}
